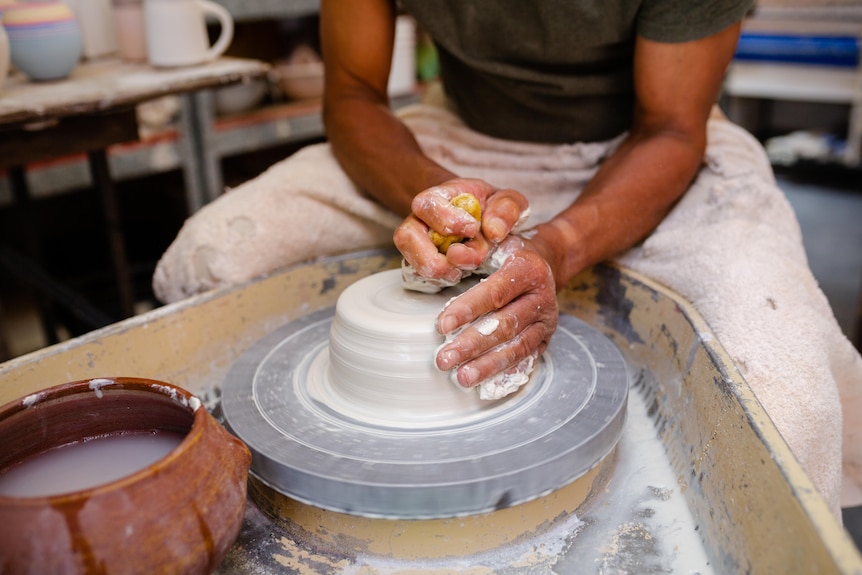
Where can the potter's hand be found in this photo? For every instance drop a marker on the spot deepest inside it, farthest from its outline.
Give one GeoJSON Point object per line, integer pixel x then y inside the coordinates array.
{"type": "Point", "coordinates": [518, 307]}
{"type": "Point", "coordinates": [502, 209]}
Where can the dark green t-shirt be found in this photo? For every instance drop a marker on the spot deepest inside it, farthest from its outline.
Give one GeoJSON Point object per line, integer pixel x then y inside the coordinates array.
{"type": "Point", "coordinates": [555, 71]}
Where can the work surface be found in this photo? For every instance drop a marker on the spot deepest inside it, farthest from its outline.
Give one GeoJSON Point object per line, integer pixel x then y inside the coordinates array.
{"type": "Point", "coordinates": [105, 85]}
{"type": "Point", "coordinates": [751, 505]}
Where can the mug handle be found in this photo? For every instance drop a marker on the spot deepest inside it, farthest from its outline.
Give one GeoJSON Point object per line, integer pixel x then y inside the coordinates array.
{"type": "Point", "coordinates": [226, 21]}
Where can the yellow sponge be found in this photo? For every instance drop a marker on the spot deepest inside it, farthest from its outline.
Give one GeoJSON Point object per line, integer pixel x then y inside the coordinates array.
{"type": "Point", "coordinates": [469, 204]}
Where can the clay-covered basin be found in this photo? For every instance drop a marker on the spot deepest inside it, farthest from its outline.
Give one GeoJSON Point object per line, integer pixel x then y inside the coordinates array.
{"type": "Point", "coordinates": [178, 514]}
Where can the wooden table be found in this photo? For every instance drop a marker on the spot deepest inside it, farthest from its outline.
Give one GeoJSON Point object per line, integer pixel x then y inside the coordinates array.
{"type": "Point", "coordinates": [87, 112]}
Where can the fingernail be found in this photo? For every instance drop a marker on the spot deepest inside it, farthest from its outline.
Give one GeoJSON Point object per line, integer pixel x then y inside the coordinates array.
{"type": "Point", "coordinates": [454, 276]}
{"type": "Point", "coordinates": [494, 229]}
{"type": "Point", "coordinates": [447, 324]}
{"type": "Point", "coordinates": [468, 376]}
{"type": "Point", "coordinates": [448, 359]}
{"type": "Point", "coordinates": [471, 229]}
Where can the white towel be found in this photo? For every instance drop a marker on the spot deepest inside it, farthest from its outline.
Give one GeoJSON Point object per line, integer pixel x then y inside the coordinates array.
{"type": "Point", "coordinates": [731, 246]}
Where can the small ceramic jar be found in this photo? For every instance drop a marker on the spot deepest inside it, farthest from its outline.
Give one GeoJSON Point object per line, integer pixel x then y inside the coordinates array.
{"type": "Point", "coordinates": [131, 33]}
{"type": "Point", "coordinates": [179, 514]}
{"type": "Point", "coordinates": [44, 39]}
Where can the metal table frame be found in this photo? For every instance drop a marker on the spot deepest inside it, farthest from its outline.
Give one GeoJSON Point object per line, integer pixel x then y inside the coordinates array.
{"type": "Point", "coordinates": [86, 113]}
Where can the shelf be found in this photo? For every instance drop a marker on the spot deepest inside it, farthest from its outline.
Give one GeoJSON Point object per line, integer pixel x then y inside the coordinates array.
{"type": "Point", "coordinates": [160, 152]}
{"type": "Point", "coordinates": [832, 12]}
{"type": "Point", "coordinates": [267, 127]}
{"type": "Point", "coordinates": [105, 85]}
{"type": "Point", "coordinates": [805, 83]}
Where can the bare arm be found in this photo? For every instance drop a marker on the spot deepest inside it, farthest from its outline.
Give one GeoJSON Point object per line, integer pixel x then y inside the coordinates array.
{"type": "Point", "coordinates": [675, 87]}
{"type": "Point", "coordinates": [374, 148]}
{"type": "Point", "coordinates": [381, 155]}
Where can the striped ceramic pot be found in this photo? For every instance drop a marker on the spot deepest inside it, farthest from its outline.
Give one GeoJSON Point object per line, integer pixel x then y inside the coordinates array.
{"type": "Point", "coordinates": [44, 39]}
{"type": "Point", "coordinates": [3, 4]}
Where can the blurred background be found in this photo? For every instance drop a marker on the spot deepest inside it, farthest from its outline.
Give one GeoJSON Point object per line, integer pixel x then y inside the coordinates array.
{"type": "Point", "coordinates": [795, 84]}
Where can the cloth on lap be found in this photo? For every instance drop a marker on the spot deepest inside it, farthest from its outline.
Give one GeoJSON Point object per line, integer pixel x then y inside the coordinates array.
{"type": "Point", "coordinates": [731, 246]}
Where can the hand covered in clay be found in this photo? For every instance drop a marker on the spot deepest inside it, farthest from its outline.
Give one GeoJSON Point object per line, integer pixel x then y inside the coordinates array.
{"type": "Point", "coordinates": [502, 210]}
{"type": "Point", "coordinates": [505, 322]}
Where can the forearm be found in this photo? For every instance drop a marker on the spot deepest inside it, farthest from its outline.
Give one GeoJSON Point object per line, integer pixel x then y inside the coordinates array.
{"type": "Point", "coordinates": [375, 149]}
{"type": "Point", "coordinates": [379, 153]}
{"type": "Point", "coordinates": [626, 199]}
{"type": "Point", "coordinates": [675, 89]}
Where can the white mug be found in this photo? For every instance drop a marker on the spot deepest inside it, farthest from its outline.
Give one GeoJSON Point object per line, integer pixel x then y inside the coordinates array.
{"type": "Point", "coordinates": [177, 34]}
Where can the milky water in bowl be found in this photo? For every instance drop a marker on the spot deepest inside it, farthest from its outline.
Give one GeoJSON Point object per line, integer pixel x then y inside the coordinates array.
{"type": "Point", "coordinates": [87, 464]}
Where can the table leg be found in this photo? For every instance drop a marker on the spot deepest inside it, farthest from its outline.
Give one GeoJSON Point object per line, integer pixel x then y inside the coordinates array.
{"type": "Point", "coordinates": [201, 168]}
{"type": "Point", "coordinates": [853, 154]}
{"type": "Point", "coordinates": [28, 271]}
{"type": "Point", "coordinates": [32, 244]}
{"type": "Point", "coordinates": [5, 351]}
{"type": "Point", "coordinates": [100, 171]}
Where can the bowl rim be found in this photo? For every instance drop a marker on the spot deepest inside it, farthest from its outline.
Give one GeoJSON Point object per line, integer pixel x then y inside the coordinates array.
{"type": "Point", "coordinates": [58, 13]}
{"type": "Point", "coordinates": [101, 385]}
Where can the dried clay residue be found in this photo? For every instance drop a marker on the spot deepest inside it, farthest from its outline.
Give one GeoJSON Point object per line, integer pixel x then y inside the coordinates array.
{"type": "Point", "coordinates": [304, 562]}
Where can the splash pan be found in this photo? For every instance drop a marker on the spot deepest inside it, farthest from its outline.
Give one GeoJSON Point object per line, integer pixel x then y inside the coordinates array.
{"type": "Point", "coordinates": [313, 446]}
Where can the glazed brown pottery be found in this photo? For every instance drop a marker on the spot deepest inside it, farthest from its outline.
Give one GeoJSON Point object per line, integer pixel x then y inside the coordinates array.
{"type": "Point", "coordinates": [178, 515]}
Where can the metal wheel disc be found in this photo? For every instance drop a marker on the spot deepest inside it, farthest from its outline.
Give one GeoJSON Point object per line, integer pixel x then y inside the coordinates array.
{"type": "Point", "coordinates": [560, 425]}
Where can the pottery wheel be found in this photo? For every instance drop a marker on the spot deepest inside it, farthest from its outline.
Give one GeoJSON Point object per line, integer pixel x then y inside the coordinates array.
{"type": "Point", "coordinates": [311, 443]}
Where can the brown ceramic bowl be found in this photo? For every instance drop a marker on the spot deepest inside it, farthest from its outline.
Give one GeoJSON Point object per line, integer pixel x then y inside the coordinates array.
{"type": "Point", "coordinates": [178, 515]}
